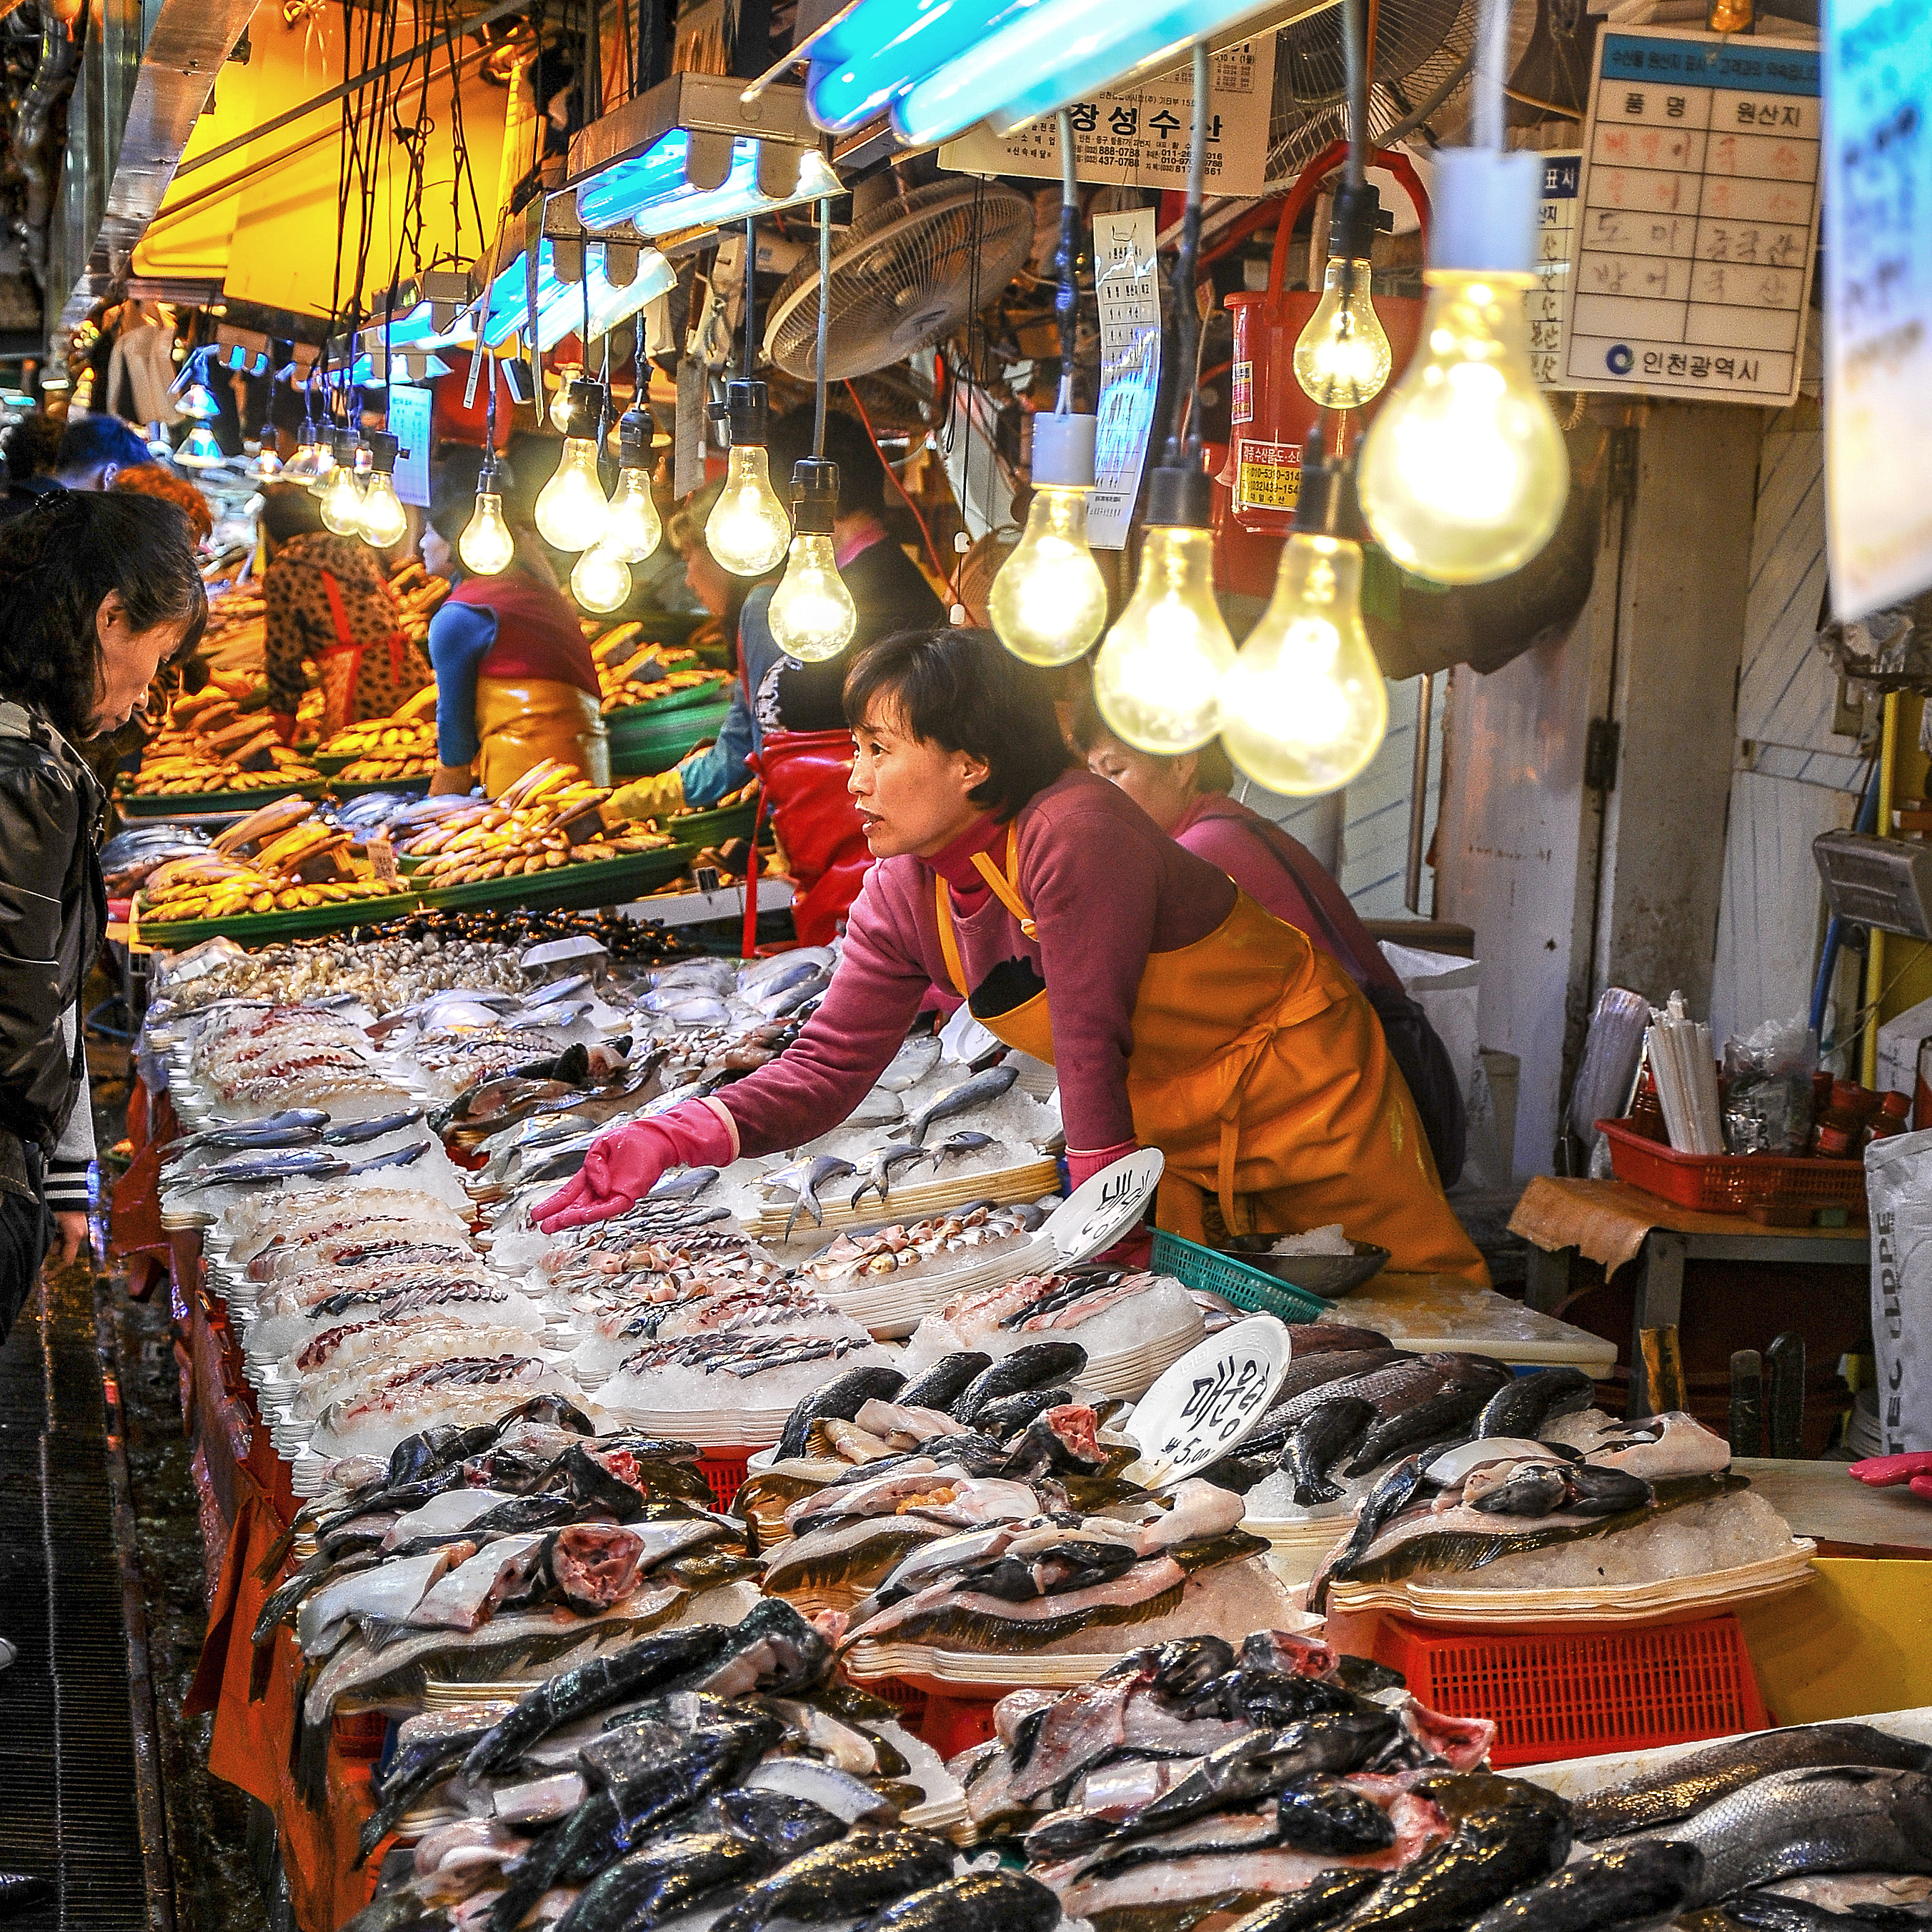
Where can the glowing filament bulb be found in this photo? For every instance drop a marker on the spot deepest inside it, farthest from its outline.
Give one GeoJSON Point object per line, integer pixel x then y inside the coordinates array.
{"type": "Point", "coordinates": [1463, 474]}
{"type": "Point", "coordinates": [602, 581]}
{"type": "Point", "coordinates": [571, 508]}
{"type": "Point", "coordinates": [1048, 602]}
{"type": "Point", "coordinates": [382, 520]}
{"type": "Point", "coordinates": [1305, 706]}
{"type": "Point", "coordinates": [1342, 358]}
{"type": "Point", "coordinates": [1156, 676]}
{"type": "Point", "coordinates": [325, 465]}
{"type": "Point", "coordinates": [342, 502]}
{"type": "Point", "coordinates": [812, 615]}
{"type": "Point", "coordinates": [748, 530]}
{"type": "Point", "coordinates": [634, 530]}
{"type": "Point", "coordinates": [486, 545]}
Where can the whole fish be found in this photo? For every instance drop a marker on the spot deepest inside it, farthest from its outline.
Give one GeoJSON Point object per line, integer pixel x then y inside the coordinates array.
{"type": "Point", "coordinates": [960, 1146]}
{"type": "Point", "coordinates": [875, 1171]}
{"type": "Point", "coordinates": [942, 1385]}
{"type": "Point", "coordinates": [1689, 1784]}
{"type": "Point", "coordinates": [353, 1133]}
{"type": "Point", "coordinates": [401, 1157]}
{"type": "Point", "coordinates": [995, 1901]}
{"type": "Point", "coordinates": [1448, 1412]}
{"type": "Point", "coordinates": [1388, 1498]}
{"type": "Point", "coordinates": [1010, 1414]}
{"type": "Point", "coordinates": [256, 1170]}
{"type": "Point", "coordinates": [840, 1399]}
{"type": "Point", "coordinates": [801, 1181]}
{"type": "Point", "coordinates": [1493, 1854]}
{"type": "Point", "coordinates": [1526, 1489]}
{"type": "Point", "coordinates": [1823, 1818]}
{"type": "Point", "coordinates": [1777, 1911]}
{"type": "Point", "coordinates": [853, 1876]}
{"type": "Point", "coordinates": [964, 1098]}
{"type": "Point", "coordinates": [252, 1133]}
{"type": "Point", "coordinates": [795, 997]}
{"type": "Point", "coordinates": [1320, 1441]}
{"type": "Point", "coordinates": [911, 1065]}
{"type": "Point", "coordinates": [1525, 1403]}
{"type": "Point", "coordinates": [1647, 1879]}
{"type": "Point", "coordinates": [1324, 1901]}
{"type": "Point", "coordinates": [1033, 1366]}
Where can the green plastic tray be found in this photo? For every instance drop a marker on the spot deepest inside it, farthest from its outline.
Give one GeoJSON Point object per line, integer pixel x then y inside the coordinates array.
{"type": "Point", "coordinates": [329, 763]}
{"type": "Point", "coordinates": [694, 830]}
{"type": "Point", "coordinates": [188, 804]}
{"type": "Point", "coordinates": [639, 753]}
{"type": "Point", "coordinates": [599, 882]}
{"type": "Point", "coordinates": [266, 929]}
{"type": "Point", "coordinates": [1260, 1294]}
{"type": "Point", "coordinates": [631, 718]}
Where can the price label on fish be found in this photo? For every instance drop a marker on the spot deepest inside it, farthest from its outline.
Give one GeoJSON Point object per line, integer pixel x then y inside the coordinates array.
{"type": "Point", "coordinates": [1202, 1407]}
{"type": "Point", "coordinates": [1104, 1206]}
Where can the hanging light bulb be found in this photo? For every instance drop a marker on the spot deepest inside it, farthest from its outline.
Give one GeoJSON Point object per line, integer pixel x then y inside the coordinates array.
{"type": "Point", "coordinates": [1343, 357]}
{"type": "Point", "coordinates": [198, 401]}
{"type": "Point", "coordinates": [200, 451]}
{"type": "Point", "coordinates": [383, 521]}
{"type": "Point", "coordinates": [325, 463]}
{"type": "Point", "coordinates": [1463, 474]}
{"type": "Point", "coordinates": [486, 546]}
{"type": "Point", "coordinates": [342, 498]}
{"type": "Point", "coordinates": [812, 615]}
{"type": "Point", "coordinates": [1048, 602]}
{"type": "Point", "coordinates": [634, 530]}
{"type": "Point", "coordinates": [560, 402]}
{"type": "Point", "coordinates": [300, 468]}
{"type": "Point", "coordinates": [1156, 676]}
{"type": "Point", "coordinates": [747, 531]}
{"type": "Point", "coordinates": [1305, 706]}
{"type": "Point", "coordinates": [602, 581]}
{"type": "Point", "coordinates": [571, 508]}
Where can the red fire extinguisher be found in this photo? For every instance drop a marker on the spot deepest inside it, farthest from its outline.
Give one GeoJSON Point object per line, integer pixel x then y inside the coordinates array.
{"type": "Point", "coordinates": [1256, 490]}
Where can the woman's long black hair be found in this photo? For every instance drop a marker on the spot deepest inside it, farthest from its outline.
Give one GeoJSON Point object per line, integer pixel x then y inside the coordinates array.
{"type": "Point", "coordinates": [59, 563]}
{"type": "Point", "coordinates": [963, 691]}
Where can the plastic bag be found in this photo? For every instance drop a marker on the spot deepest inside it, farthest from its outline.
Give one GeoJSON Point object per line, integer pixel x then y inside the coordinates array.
{"type": "Point", "coordinates": [1767, 1104]}
{"type": "Point", "coordinates": [1898, 1184]}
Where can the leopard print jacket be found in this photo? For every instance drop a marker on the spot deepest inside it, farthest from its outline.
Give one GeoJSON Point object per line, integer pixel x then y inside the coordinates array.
{"type": "Point", "coordinates": [300, 625]}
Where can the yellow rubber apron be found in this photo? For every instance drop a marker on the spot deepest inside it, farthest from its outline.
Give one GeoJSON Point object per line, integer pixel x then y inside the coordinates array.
{"type": "Point", "coordinates": [1260, 1072]}
{"type": "Point", "coordinates": [522, 720]}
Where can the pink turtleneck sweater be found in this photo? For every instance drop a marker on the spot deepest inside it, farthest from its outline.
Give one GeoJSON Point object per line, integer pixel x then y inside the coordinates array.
{"type": "Point", "coordinates": [1106, 885]}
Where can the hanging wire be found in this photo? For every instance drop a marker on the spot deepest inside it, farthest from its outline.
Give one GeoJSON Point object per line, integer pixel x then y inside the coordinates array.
{"type": "Point", "coordinates": [824, 316]}
{"type": "Point", "coordinates": [1355, 53]}
{"type": "Point", "coordinates": [750, 291]}
{"type": "Point", "coordinates": [1490, 110]}
{"type": "Point", "coordinates": [1184, 450]}
{"type": "Point", "coordinates": [1067, 297]}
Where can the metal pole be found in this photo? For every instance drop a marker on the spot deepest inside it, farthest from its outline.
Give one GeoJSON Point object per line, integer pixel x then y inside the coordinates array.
{"type": "Point", "coordinates": [1418, 793]}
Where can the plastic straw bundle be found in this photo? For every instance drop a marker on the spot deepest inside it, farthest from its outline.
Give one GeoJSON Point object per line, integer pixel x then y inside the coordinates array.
{"type": "Point", "coordinates": [1681, 1062]}
{"type": "Point", "coordinates": [1612, 1054]}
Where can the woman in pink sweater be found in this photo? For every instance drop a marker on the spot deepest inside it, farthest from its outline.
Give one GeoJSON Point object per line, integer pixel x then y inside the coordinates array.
{"type": "Point", "coordinates": [1186, 797]}
{"type": "Point", "coordinates": [1177, 1013]}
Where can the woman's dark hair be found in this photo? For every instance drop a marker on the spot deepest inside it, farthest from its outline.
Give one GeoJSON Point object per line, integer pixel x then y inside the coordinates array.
{"type": "Point", "coordinates": [862, 470]}
{"type": "Point", "coordinates": [58, 565]}
{"type": "Point", "coordinates": [964, 691]}
{"type": "Point", "coordinates": [1212, 770]}
{"type": "Point", "coordinates": [289, 512]}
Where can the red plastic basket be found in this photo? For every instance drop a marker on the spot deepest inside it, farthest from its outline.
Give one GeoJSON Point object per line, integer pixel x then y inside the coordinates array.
{"type": "Point", "coordinates": [1729, 1183]}
{"type": "Point", "coordinates": [908, 1700]}
{"type": "Point", "coordinates": [725, 1471]}
{"type": "Point", "coordinates": [952, 1725]}
{"type": "Point", "coordinates": [1578, 1692]}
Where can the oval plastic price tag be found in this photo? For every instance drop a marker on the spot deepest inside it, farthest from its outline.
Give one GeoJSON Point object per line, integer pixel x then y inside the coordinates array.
{"type": "Point", "coordinates": [1201, 1408]}
{"type": "Point", "coordinates": [1104, 1207]}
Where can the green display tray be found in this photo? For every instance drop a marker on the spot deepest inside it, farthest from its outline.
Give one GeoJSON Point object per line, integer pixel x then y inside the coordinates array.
{"type": "Point", "coordinates": [694, 830]}
{"type": "Point", "coordinates": [265, 929]}
{"type": "Point", "coordinates": [630, 716]}
{"type": "Point", "coordinates": [188, 804]}
{"type": "Point", "coordinates": [638, 754]}
{"type": "Point", "coordinates": [416, 787]}
{"type": "Point", "coordinates": [329, 763]}
{"type": "Point", "coordinates": [599, 882]}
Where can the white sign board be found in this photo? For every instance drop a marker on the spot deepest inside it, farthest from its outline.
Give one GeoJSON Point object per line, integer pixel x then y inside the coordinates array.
{"type": "Point", "coordinates": [1128, 290]}
{"type": "Point", "coordinates": [1698, 224]}
{"type": "Point", "coordinates": [1201, 1407]}
{"type": "Point", "coordinates": [1139, 139]}
{"type": "Point", "coordinates": [408, 420]}
{"type": "Point", "coordinates": [1878, 297]}
{"type": "Point", "coordinates": [1548, 303]}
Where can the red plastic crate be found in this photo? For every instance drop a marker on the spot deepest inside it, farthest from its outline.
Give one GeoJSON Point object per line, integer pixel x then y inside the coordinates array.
{"type": "Point", "coordinates": [1581, 1691]}
{"type": "Point", "coordinates": [907, 1698]}
{"type": "Point", "coordinates": [952, 1725]}
{"type": "Point", "coordinates": [725, 1470]}
{"type": "Point", "coordinates": [1729, 1183]}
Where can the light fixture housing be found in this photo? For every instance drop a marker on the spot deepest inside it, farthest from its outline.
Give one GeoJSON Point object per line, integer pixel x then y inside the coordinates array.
{"type": "Point", "coordinates": [199, 450]}
{"type": "Point", "coordinates": [692, 153]}
{"type": "Point", "coordinates": [560, 304]}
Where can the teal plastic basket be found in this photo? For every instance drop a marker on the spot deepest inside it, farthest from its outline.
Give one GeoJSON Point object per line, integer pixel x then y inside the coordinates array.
{"type": "Point", "coordinates": [1249, 1288]}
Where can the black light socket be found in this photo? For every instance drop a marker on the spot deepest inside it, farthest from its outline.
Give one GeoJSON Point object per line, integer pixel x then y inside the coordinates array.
{"type": "Point", "coordinates": [1357, 220]}
{"type": "Point", "coordinates": [635, 433]}
{"type": "Point", "coordinates": [1327, 506]}
{"type": "Point", "coordinates": [1180, 497]}
{"type": "Point", "coordinates": [814, 497]}
{"type": "Point", "coordinates": [583, 420]}
{"type": "Point", "coordinates": [748, 407]}
{"type": "Point", "coordinates": [385, 448]}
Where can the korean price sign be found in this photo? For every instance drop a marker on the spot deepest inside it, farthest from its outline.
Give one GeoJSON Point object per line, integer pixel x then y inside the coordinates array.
{"type": "Point", "coordinates": [1139, 138]}
{"type": "Point", "coordinates": [1548, 303]}
{"type": "Point", "coordinates": [1203, 1405]}
{"type": "Point", "coordinates": [1697, 227]}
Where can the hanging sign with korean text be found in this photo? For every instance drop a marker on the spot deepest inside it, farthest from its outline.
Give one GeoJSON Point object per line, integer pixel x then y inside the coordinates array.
{"type": "Point", "coordinates": [1549, 302]}
{"type": "Point", "coordinates": [1139, 139]}
{"type": "Point", "coordinates": [1697, 219]}
{"type": "Point", "coordinates": [1878, 302]}
{"type": "Point", "coordinates": [1127, 284]}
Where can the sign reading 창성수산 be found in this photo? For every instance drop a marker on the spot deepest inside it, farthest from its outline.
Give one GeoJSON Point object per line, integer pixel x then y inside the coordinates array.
{"type": "Point", "coordinates": [1878, 294]}
{"type": "Point", "coordinates": [1697, 223]}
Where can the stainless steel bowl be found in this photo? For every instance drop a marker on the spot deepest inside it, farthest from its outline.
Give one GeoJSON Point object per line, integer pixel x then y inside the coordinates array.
{"type": "Point", "coordinates": [1330, 1276]}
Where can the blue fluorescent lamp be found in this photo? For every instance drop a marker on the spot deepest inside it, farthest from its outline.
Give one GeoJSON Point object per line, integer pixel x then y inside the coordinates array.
{"type": "Point", "coordinates": [943, 65]}
{"type": "Point", "coordinates": [560, 304]}
{"type": "Point", "coordinates": [664, 190]}
{"type": "Point", "coordinates": [418, 365]}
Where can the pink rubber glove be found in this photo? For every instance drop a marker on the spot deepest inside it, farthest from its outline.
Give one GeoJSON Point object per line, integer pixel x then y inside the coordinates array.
{"type": "Point", "coordinates": [1082, 1166]}
{"type": "Point", "coordinates": [624, 1164]}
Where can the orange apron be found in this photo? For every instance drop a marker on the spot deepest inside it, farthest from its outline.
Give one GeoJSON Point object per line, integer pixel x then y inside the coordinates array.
{"type": "Point", "coordinates": [1260, 1072]}
{"type": "Point", "coordinates": [340, 665]}
{"type": "Point", "coordinates": [522, 720]}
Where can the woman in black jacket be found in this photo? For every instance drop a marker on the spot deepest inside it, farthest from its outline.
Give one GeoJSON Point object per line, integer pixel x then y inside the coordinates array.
{"type": "Point", "coordinates": [96, 591]}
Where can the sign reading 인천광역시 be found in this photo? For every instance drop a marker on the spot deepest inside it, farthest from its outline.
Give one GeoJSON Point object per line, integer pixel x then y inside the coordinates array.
{"type": "Point", "coordinates": [1878, 292]}
{"type": "Point", "coordinates": [1548, 303]}
{"type": "Point", "coordinates": [1139, 138]}
{"type": "Point", "coordinates": [1697, 227]}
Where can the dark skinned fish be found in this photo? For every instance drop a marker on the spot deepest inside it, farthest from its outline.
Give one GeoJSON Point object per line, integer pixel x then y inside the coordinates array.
{"type": "Point", "coordinates": [1647, 1879]}
{"type": "Point", "coordinates": [1012, 1413]}
{"type": "Point", "coordinates": [353, 1133]}
{"type": "Point", "coordinates": [840, 1399]}
{"type": "Point", "coordinates": [1492, 1854]}
{"type": "Point", "coordinates": [1771, 1911]}
{"type": "Point", "coordinates": [946, 1382]}
{"type": "Point", "coordinates": [1446, 1414]}
{"type": "Point", "coordinates": [1320, 1441]}
{"type": "Point", "coordinates": [1033, 1366]}
{"type": "Point", "coordinates": [1324, 1901]}
{"type": "Point", "coordinates": [996, 1901]}
{"type": "Point", "coordinates": [1689, 1784]}
{"type": "Point", "coordinates": [1525, 1403]}
{"type": "Point", "coordinates": [1391, 1495]}
{"type": "Point", "coordinates": [963, 1099]}
{"type": "Point", "coordinates": [867, 1870]}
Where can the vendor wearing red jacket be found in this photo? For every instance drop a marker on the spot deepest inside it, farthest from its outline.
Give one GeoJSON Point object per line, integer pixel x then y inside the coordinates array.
{"type": "Point", "coordinates": [1176, 1012]}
